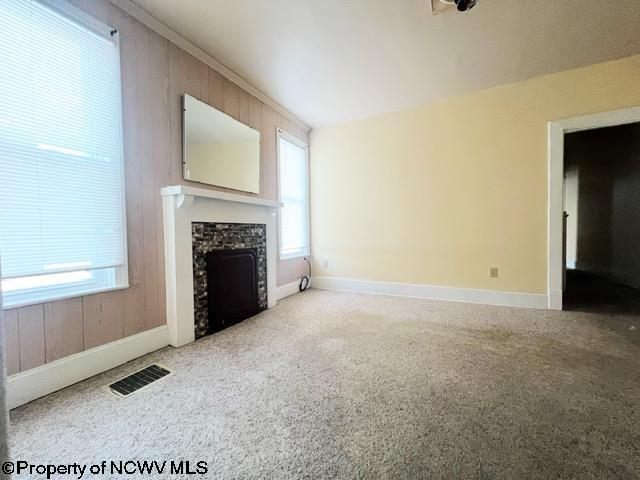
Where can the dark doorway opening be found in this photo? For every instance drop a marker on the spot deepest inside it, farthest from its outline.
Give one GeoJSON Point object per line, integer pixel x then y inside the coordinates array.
{"type": "Point", "coordinates": [602, 220]}
{"type": "Point", "coordinates": [592, 293]}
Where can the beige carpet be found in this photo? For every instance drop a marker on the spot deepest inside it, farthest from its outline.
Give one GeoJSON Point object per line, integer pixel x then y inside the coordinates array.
{"type": "Point", "coordinates": [340, 385]}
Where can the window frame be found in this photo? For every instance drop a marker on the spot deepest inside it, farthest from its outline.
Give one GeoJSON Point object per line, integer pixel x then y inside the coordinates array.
{"type": "Point", "coordinates": [82, 288]}
{"type": "Point", "coordinates": [281, 133]}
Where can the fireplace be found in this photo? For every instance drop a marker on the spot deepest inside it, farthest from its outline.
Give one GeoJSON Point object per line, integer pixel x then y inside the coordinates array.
{"type": "Point", "coordinates": [198, 222]}
{"type": "Point", "coordinates": [229, 273]}
{"type": "Point", "coordinates": [232, 287]}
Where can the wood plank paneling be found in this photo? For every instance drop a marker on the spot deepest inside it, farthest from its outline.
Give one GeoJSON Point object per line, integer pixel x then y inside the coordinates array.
{"type": "Point", "coordinates": [11, 342]}
{"type": "Point", "coordinates": [244, 101]}
{"type": "Point", "coordinates": [63, 329]}
{"type": "Point", "coordinates": [31, 327]}
{"type": "Point", "coordinates": [191, 75]}
{"type": "Point", "coordinates": [161, 156]}
{"type": "Point", "coordinates": [203, 79]}
{"type": "Point", "coordinates": [231, 101]}
{"type": "Point", "coordinates": [255, 113]}
{"type": "Point", "coordinates": [175, 113]}
{"type": "Point", "coordinates": [102, 319]}
{"type": "Point", "coordinates": [216, 89]}
{"type": "Point", "coordinates": [268, 163]}
{"type": "Point", "coordinates": [291, 270]}
{"type": "Point", "coordinates": [147, 190]}
{"type": "Point", "coordinates": [133, 297]}
{"type": "Point", "coordinates": [155, 74]}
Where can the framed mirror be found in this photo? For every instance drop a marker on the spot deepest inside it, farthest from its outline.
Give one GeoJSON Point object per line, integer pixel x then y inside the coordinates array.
{"type": "Point", "coordinates": [218, 149]}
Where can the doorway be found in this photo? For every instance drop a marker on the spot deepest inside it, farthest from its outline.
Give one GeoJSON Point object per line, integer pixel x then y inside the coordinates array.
{"type": "Point", "coordinates": [559, 247]}
{"type": "Point", "coordinates": [602, 219]}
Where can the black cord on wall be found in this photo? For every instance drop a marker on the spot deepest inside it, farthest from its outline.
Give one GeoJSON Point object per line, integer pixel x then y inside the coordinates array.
{"type": "Point", "coordinates": [304, 281]}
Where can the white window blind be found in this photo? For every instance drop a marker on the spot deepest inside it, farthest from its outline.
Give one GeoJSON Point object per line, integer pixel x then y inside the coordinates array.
{"type": "Point", "coordinates": [61, 173]}
{"type": "Point", "coordinates": [293, 171]}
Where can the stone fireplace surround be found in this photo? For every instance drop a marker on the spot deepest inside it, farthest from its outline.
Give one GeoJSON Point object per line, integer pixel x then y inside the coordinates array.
{"type": "Point", "coordinates": [208, 237]}
{"type": "Point", "coordinates": [182, 207]}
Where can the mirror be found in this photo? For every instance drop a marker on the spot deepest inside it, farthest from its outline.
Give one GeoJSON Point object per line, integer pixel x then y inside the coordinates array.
{"type": "Point", "coordinates": [219, 150]}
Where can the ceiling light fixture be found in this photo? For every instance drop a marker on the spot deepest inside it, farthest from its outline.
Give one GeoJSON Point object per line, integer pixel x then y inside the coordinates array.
{"type": "Point", "coordinates": [464, 5]}
{"type": "Point", "coordinates": [438, 6]}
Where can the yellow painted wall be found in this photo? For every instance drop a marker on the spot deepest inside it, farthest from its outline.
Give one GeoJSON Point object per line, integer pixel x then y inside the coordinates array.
{"type": "Point", "coordinates": [438, 194]}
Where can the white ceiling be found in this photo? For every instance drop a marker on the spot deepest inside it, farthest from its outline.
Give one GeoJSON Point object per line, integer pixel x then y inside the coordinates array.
{"type": "Point", "coordinates": [329, 61]}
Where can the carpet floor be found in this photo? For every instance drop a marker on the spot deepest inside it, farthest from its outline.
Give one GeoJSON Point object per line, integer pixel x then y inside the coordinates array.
{"type": "Point", "coordinates": [343, 385]}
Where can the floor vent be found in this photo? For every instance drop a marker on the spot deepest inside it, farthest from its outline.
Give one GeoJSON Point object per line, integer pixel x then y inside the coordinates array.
{"type": "Point", "coordinates": [138, 380]}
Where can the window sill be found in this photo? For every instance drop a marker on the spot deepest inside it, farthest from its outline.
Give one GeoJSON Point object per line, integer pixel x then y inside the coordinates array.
{"type": "Point", "coordinates": [294, 255]}
{"type": "Point", "coordinates": [7, 304]}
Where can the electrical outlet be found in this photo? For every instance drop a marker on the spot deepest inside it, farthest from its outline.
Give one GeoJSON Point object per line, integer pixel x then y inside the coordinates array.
{"type": "Point", "coordinates": [325, 264]}
{"type": "Point", "coordinates": [493, 272]}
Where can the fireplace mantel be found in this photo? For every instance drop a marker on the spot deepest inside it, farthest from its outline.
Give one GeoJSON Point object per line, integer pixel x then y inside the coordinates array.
{"type": "Point", "coordinates": [182, 205]}
{"type": "Point", "coordinates": [189, 193]}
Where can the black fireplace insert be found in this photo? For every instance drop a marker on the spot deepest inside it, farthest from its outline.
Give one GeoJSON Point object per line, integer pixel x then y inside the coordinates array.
{"type": "Point", "coordinates": [232, 287]}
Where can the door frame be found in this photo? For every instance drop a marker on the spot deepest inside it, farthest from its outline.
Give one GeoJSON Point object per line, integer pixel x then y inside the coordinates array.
{"type": "Point", "coordinates": [556, 132]}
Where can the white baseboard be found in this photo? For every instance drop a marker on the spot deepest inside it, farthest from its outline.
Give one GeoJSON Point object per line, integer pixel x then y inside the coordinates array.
{"type": "Point", "coordinates": [40, 381]}
{"type": "Point", "coordinates": [431, 292]}
{"type": "Point", "coordinates": [287, 290]}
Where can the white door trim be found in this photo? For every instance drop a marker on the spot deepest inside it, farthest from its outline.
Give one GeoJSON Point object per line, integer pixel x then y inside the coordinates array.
{"type": "Point", "coordinates": [557, 131]}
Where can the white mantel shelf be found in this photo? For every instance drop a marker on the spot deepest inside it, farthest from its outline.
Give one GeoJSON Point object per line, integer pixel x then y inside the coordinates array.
{"type": "Point", "coordinates": [183, 190]}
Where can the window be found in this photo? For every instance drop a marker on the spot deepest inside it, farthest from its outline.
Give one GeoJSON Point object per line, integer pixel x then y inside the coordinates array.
{"type": "Point", "coordinates": [62, 221]}
{"type": "Point", "coordinates": [293, 173]}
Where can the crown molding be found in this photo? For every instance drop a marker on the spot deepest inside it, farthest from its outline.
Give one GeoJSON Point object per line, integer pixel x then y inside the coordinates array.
{"type": "Point", "coordinates": [160, 28]}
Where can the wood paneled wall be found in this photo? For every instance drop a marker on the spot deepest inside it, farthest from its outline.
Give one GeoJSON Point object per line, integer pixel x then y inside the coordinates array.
{"type": "Point", "coordinates": [155, 74]}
